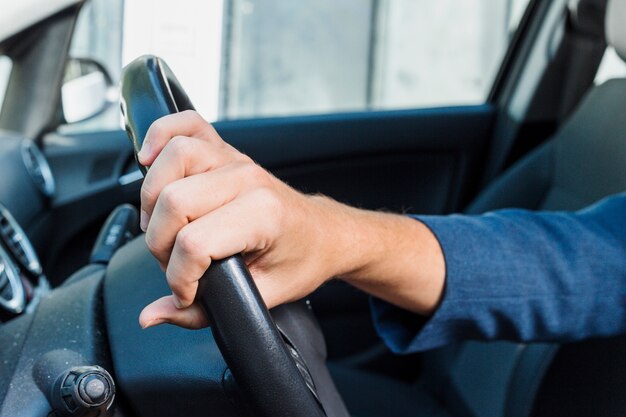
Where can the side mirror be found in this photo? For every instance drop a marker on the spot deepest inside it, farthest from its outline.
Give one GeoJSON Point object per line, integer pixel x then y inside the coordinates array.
{"type": "Point", "coordinates": [87, 90]}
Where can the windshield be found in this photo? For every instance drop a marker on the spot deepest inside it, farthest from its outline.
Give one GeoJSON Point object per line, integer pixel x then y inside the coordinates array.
{"type": "Point", "coordinates": [5, 71]}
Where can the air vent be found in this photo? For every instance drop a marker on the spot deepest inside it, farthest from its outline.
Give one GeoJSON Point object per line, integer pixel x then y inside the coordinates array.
{"type": "Point", "coordinates": [11, 290]}
{"type": "Point", "coordinates": [38, 168]}
{"type": "Point", "coordinates": [18, 244]}
{"type": "Point", "coordinates": [6, 292]}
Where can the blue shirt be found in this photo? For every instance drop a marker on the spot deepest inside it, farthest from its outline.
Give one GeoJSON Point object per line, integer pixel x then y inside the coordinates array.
{"type": "Point", "coordinates": [522, 276]}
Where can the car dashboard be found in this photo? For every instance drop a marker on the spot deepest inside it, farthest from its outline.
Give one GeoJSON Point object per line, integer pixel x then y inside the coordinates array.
{"type": "Point", "coordinates": [26, 187]}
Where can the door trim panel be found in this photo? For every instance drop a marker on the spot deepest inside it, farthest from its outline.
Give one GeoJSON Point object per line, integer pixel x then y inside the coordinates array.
{"type": "Point", "coordinates": [292, 146]}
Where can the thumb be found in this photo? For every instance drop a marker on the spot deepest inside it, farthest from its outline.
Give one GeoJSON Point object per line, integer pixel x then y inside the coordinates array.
{"type": "Point", "coordinates": [164, 310]}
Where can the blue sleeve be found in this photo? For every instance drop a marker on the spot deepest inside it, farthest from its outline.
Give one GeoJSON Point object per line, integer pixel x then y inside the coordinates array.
{"type": "Point", "coordinates": [522, 276]}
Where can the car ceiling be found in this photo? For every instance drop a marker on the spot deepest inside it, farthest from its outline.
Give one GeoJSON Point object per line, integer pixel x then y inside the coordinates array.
{"type": "Point", "coordinates": [20, 15]}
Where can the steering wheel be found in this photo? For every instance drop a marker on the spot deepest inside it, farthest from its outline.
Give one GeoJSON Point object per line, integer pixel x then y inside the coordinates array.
{"type": "Point", "coordinates": [264, 363]}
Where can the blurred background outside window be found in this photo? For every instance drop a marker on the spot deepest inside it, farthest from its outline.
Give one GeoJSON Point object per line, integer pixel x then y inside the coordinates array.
{"type": "Point", "coordinates": [611, 66]}
{"type": "Point", "coordinates": [261, 58]}
{"type": "Point", "coordinates": [5, 71]}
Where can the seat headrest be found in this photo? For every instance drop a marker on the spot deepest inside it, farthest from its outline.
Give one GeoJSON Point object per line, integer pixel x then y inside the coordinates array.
{"type": "Point", "coordinates": [616, 26]}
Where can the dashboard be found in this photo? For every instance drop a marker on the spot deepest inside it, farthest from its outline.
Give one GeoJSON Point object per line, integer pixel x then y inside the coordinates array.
{"type": "Point", "coordinates": [22, 283]}
{"type": "Point", "coordinates": [42, 332]}
{"type": "Point", "coordinates": [19, 192]}
{"type": "Point", "coordinates": [26, 185]}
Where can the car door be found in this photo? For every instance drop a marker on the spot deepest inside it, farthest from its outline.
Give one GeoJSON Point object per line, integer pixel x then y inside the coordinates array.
{"type": "Point", "coordinates": [381, 104]}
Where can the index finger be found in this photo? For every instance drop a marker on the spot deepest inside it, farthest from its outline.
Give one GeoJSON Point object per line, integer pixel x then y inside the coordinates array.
{"type": "Point", "coordinates": [180, 158]}
{"type": "Point", "coordinates": [187, 123]}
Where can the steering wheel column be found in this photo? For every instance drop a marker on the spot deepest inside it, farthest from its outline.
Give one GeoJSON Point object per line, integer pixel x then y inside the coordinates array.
{"type": "Point", "coordinates": [167, 370]}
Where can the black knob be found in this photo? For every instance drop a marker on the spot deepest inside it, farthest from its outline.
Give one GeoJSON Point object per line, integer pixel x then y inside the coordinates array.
{"type": "Point", "coordinates": [83, 391]}
{"type": "Point", "coordinates": [93, 389]}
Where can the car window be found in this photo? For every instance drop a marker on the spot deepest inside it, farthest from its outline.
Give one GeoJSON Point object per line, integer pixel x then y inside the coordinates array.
{"type": "Point", "coordinates": [5, 72]}
{"type": "Point", "coordinates": [258, 58]}
{"type": "Point", "coordinates": [612, 66]}
{"type": "Point", "coordinates": [98, 36]}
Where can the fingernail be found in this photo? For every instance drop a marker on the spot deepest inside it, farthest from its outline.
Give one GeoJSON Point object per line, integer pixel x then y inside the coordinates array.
{"type": "Point", "coordinates": [143, 221]}
{"type": "Point", "coordinates": [150, 323]}
{"type": "Point", "coordinates": [155, 322]}
{"type": "Point", "coordinates": [144, 152]}
{"type": "Point", "coordinates": [177, 303]}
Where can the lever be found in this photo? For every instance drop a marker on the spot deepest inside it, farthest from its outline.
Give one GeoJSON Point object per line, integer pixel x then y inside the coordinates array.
{"type": "Point", "coordinates": [72, 388]}
{"type": "Point", "coordinates": [121, 226]}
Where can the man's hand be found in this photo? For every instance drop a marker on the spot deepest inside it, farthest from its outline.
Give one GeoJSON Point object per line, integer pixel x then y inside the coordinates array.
{"type": "Point", "coordinates": [204, 200]}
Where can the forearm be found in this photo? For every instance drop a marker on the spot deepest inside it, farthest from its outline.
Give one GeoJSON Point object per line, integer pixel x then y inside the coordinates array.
{"type": "Point", "coordinates": [392, 257]}
{"type": "Point", "coordinates": [522, 276]}
{"type": "Point", "coordinates": [203, 200]}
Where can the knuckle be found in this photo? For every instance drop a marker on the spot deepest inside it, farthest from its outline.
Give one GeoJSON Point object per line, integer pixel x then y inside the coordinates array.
{"type": "Point", "coordinates": [248, 170]}
{"type": "Point", "coordinates": [189, 242]}
{"type": "Point", "coordinates": [172, 279]}
{"type": "Point", "coordinates": [185, 298]}
{"type": "Point", "coordinates": [156, 129]}
{"type": "Point", "coordinates": [218, 140]}
{"type": "Point", "coordinates": [153, 243]}
{"type": "Point", "coordinates": [147, 192]}
{"type": "Point", "coordinates": [172, 199]}
{"type": "Point", "coordinates": [194, 119]}
{"type": "Point", "coordinates": [192, 115]}
{"type": "Point", "coordinates": [254, 172]}
{"type": "Point", "coordinates": [270, 201]}
{"type": "Point", "coordinates": [240, 156]}
{"type": "Point", "coordinates": [179, 146]}
{"type": "Point", "coordinates": [177, 285]}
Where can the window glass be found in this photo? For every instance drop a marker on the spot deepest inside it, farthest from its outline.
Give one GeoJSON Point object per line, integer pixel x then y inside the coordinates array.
{"type": "Point", "coordinates": [257, 58]}
{"type": "Point", "coordinates": [611, 66]}
{"type": "Point", "coordinates": [5, 72]}
{"type": "Point", "coordinates": [98, 35]}
{"type": "Point", "coordinates": [437, 53]}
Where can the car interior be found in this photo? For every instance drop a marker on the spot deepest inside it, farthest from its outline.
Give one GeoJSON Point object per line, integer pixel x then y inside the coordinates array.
{"type": "Point", "coordinates": [75, 271]}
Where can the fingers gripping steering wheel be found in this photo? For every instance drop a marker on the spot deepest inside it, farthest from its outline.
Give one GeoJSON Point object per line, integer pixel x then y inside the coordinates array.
{"type": "Point", "coordinates": [261, 360]}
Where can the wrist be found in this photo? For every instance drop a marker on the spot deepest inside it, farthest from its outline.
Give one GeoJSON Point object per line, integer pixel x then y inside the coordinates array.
{"type": "Point", "coordinates": [335, 235]}
{"type": "Point", "coordinates": [390, 256]}
{"type": "Point", "coordinates": [348, 244]}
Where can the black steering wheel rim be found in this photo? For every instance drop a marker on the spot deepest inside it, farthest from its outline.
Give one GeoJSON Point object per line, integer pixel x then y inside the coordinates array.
{"type": "Point", "coordinates": [251, 344]}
